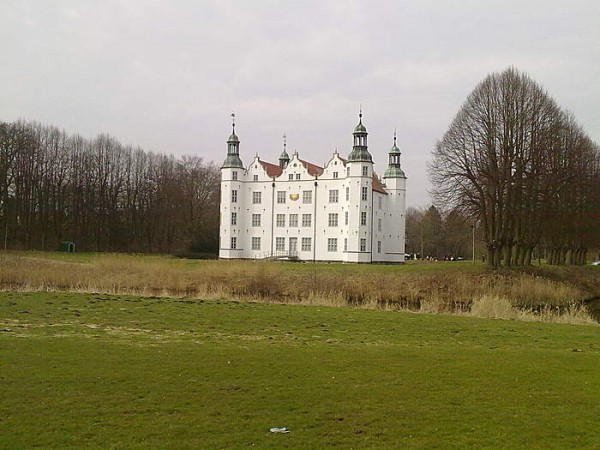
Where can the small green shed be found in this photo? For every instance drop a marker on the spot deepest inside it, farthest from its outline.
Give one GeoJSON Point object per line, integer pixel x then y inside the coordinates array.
{"type": "Point", "coordinates": [67, 246]}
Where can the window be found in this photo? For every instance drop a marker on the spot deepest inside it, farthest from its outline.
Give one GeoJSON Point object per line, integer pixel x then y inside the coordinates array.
{"type": "Point", "coordinates": [255, 243]}
{"type": "Point", "coordinates": [333, 196]}
{"type": "Point", "coordinates": [234, 196]}
{"type": "Point", "coordinates": [348, 171]}
{"type": "Point", "coordinates": [233, 243]}
{"type": "Point", "coordinates": [297, 176]}
{"type": "Point", "coordinates": [306, 244]}
{"type": "Point", "coordinates": [306, 196]}
{"type": "Point", "coordinates": [255, 178]}
{"type": "Point", "coordinates": [256, 220]}
{"type": "Point", "coordinates": [378, 224]}
{"type": "Point", "coordinates": [233, 218]}
{"type": "Point", "coordinates": [333, 219]}
{"type": "Point", "coordinates": [379, 202]}
{"type": "Point", "coordinates": [363, 217]}
{"type": "Point", "coordinates": [280, 244]}
{"type": "Point", "coordinates": [335, 174]}
{"type": "Point", "coordinates": [346, 218]}
{"type": "Point", "coordinates": [348, 194]}
{"type": "Point", "coordinates": [256, 197]}
{"type": "Point", "coordinates": [234, 175]}
{"type": "Point", "coordinates": [280, 196]}
{"type": "Point", "coordinates": [291, 176]}
{"type": "Point", "coordinates": [363, 245]}
{"type": "Point", "coordinates": [332, 245]}
{"type": "Point", "coordinates": [280, 220]}
{"type": "Point", "coordinates": [364, 193]}
{"type": "Point", "coordinates": [365, 171]}
{"type": "Point", "coordinates": [306, 220]}
{"type": "Point", "coordinates": [293, 220]}
{"type": "Point", "coordinates": [345, 244]}
{"type": "Point", "coordinates": [378, 246]}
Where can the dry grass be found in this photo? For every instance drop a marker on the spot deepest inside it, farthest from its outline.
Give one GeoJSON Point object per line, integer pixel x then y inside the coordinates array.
{"type": "Point", "coordinates": [509, 295]}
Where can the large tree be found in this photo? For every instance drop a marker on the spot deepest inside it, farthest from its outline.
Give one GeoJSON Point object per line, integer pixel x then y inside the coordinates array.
{"type": "Point", "coordinates": [514, 161]}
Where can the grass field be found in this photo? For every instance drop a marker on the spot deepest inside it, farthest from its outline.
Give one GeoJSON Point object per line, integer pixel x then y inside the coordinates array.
{"type": "Point", "coordinates": [100, 371]}
{"type": "Point", "coordinates": [560, 294]}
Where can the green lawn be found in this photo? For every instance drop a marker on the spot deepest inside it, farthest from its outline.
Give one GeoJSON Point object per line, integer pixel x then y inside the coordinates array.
{"type": "Point", "coordinates": [95, 371]}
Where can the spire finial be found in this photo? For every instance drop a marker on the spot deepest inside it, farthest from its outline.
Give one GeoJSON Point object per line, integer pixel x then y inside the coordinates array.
{"type": "Point", "coordinates": [394, 136]}
{"type": "Point", "coordinates": [360, 113]}
{"type": "Point", "coordinates": [233, 121]}
{"type": "Point", "coordinates": [284, 142]}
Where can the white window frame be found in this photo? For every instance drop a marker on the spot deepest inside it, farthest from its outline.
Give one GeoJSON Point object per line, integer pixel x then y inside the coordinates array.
{"type": "Point", "coordinates": [233, 243]}
{"type": "Point", "coordinates": [233, 218]}
{"type": "Point", "coordinates": [293, 220]}
{"type": "Point", "coordinates": [306, 220]}
{"type": "Point", "coordinates": [280, 220]}
{"type": "Point", "coordinates": [363, 245]}
{"type": "Point", "coordinates": [332, 244]}
{"type": "Point", "coordinates": [280, 244]}
{"type": "Point", "coordinates": [363, 218]}
{"type": "Point", "coordinates": [306, 245]}
{"type": "Point", "coordinates": [256, 243]}
{"type": "Point", "coordinates": [256, 220]}
{"type": "Point", "coordinates": [364, 193]}
{"type": "Point", "coordinates": [333, 220]}
{"type": "Point", "coordinates": [281, 195]}
{"type": "Point", "coordinates": [234, 196]}
{"type": "Point", "coordinates": [307, 197]}
{"type": "Point", "coordinates": [256, 197]}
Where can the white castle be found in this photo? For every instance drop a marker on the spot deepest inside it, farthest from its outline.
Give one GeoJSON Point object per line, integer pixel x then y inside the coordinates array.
{"type": "Point", "coordinates": [298, 210]}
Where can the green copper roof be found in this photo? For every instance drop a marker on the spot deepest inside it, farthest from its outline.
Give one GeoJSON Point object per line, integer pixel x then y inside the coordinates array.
{"type": "Point", "coordinates": [233, 138]}
{"type": "Point", "coordinates": [394, 172]}
{"type": "Point", "coordinates": [284, 156]}
{"type": "Point", "coordinates": [360, 128]}
{"type": "Point", "coordinates": [360, 154]}
{"type": "Point", "coordinates": [233, 161]}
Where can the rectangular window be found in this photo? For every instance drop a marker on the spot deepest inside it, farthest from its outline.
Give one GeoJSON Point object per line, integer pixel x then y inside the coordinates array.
{"type": "Point", "coordinates": [335, 174]}
{"type": "Point", "coordinates": [333, 219]}
{"type": "Point", "coordinates": [365, 171]}
{"type": "Point", "coordinates": [307, 197]}
{"type": "Point", "coordinates": [297, 176]}
{"type": "Point", "coordinates": [280, 196]}
{"type": "Point", "coordinates": [291, 176]}
{"type": "Point", "coordinates": [234, 175]}
{"type": "Point", "coordinates": [255, 243]}
{"type": "Point", "coordinates": [306, 245]}
{"type": "Point", "coordinates": [378, 246]}
{"type": "Point", "coordinates": [255, 178]}
{"type": "Point", "coordinates": [233, 243]}
{"type": "Point", "coordinates": [332, 245]}
{"type": "Point", "coordinates": [346, 218]}
{"type": "Point", "coordinates": [280, 220]}
{"type": "Point", "coordinates": [364, 193]}
{"type": "Point", "coordinates": [348, 171]}
{"type": "Point", "coordinates": [280, 244]}
{"type": "Point", "coordinates": [233, 218]}
{"type": "Point", "coordinates": [348, 194]}
{"type": "Point", "coordinates": [333, 196]}
{"type": "Point", "coordinates": [363, 245]}
{"type": "Point", "coordinates": [345, 244]}
{"type": "Point", "coordinates": [306, 220]}
{"type": "Point", "coordinates": [293, 220]}
{"type": "Point", "coordinates": [363, 218]}
{"type": "Point", "coordinates": [378, 224]}
{"type": "Point", "coordinates": [256, 220]}
{"type": "Point", "coordinates": [234, 196]}
{"type": "Point", "coordinates": [379, 202]}
{"type": "Point", "coordinates": [256, 197]}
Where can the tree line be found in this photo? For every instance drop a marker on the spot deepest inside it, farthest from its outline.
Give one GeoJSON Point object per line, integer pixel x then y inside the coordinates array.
{"type": "Point", "coordinates": [524, 169]}
{"type": "Point", "coordinates": [102, 195]}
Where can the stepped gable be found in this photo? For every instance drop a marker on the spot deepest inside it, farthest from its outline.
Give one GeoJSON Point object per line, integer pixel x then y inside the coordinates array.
{"type": "Point", "coordinates": [311, 168]}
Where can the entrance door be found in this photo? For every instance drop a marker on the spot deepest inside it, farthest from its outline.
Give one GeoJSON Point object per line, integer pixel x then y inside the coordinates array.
{"type": "Point", "coordinates": [293, 246]}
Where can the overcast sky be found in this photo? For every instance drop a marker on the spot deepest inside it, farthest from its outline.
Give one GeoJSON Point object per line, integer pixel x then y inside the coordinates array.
{"type": "Point", "coordinates": [166, 75]}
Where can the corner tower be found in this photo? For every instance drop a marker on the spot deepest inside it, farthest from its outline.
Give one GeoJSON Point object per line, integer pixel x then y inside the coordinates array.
{"type": "Point", "coordinates": [395, 185]}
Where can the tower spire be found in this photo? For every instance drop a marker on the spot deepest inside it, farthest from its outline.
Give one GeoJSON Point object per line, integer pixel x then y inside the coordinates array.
{"type": "Point", "coordinates": [233, 148]}
{"type": "Point", "coordinates": [284, 158]}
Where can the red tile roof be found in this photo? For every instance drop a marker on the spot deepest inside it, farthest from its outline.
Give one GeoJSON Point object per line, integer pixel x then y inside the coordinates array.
{"type": "Point", "coordinates": [311, 168]}
{"type": "Point", "coordinates": [377, 186]}
{"type": "Point", "coordinates": [271, 169]}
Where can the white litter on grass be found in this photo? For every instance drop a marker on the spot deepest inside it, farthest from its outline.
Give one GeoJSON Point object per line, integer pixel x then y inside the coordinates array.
{"type": "Point", "coordinates": [279, 430]}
